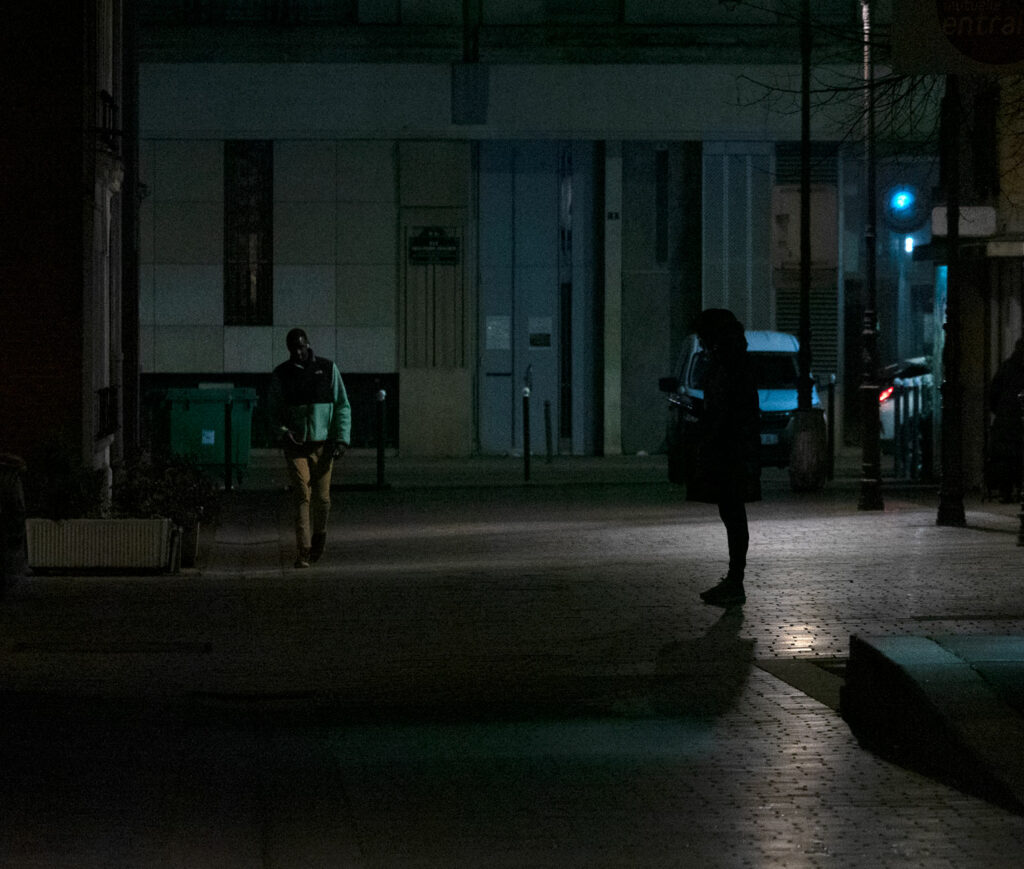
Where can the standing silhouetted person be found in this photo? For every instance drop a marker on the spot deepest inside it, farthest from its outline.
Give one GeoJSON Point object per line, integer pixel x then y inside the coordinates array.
{"type": "Point", "coordinates": [1006, 443]}
{"type": "Point", "coordinates": [728, 466]}
{"type": "Point", "coordinates": [311, 416]}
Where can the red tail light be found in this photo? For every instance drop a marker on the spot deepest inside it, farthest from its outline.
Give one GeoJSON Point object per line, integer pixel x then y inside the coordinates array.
{"type": "Point", "coordinates": [885, 394]}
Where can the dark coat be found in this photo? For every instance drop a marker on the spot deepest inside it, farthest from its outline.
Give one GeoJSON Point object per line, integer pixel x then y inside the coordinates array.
{"type": "Point", "coordinates": [1007, 434]}
{"type": "Point", "coordinates": [728, 462]}
{"type": "Point", "coordinates": [309, 401]}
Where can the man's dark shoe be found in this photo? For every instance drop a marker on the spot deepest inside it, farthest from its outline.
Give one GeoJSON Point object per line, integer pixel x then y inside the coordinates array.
{"type": "Point", "coordinates": [303, 558]}
{"type": "Point", "coordinates": [728, 593]}
{"type": "Point", "coordinates": [724, 582]}
{"type": "Point", "coordinates": [319, 541]}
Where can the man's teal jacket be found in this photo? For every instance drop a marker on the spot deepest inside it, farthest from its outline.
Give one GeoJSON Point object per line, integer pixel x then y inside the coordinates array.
{"type": "Point", "coordinates": [309, 400]}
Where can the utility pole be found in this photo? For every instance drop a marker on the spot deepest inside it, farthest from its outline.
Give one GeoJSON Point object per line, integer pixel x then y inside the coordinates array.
{"type": "Point", "coordinates": [804, 358]}
{"type": "Point", "coordinates": [871, 449]}
{"type": "Point", "coordinates": [951, 490]}
{"type": "Point", "coordinates": [807, 465]}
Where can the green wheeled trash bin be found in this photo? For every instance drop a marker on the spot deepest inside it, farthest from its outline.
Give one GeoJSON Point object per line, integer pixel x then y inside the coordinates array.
{"type": "Point", "coordinates": [212, 426]}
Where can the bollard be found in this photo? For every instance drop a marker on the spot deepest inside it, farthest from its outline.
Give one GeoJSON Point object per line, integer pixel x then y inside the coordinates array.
{"type": "Point", "coordinates": [807, 463]}
{"type": "Point", "coordinates": [547, 431]}
{"type": "Point", "coordinates": [381, 399]}
{"type": "Point", "coordinates": [915, 432]}
{"type": "Point", "coordinates": [831, 431]}
{"type": "Point", "coordinates": [1020, 530]}
{"type": "Point", "coordinates": [897, 431]}
{"type": "Point", "coordinates": [526, 433]}
{"type": "Point", "coordinates": [227, 444]}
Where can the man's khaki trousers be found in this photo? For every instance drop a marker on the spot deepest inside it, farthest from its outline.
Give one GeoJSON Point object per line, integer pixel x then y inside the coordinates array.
{"type": "Point", "coordinates": [309, 472]}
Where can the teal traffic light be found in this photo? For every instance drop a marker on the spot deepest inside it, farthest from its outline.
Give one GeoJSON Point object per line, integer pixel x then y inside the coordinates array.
{"type": "Point", "coordinates": [904, 208]}
{"type": "Point", "coordinates": [902, 201]}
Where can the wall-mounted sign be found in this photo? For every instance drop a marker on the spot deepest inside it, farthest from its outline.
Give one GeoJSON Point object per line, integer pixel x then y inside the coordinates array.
{"type": "Point", "coordinates": [987, 32]}
{"type": "Point", "coordinates": [976, 221]}
{"type": "Point", "coordinates": [540, 332]}
{"type": "Point", "coordinates": [958, 36]}
{"type": "Point", "coordinates": [433, 246]}
{"type": "Point", "coordinates": [499, 333]}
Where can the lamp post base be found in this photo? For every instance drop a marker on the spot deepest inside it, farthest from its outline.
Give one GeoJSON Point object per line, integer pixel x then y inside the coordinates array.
{"type": "Point", "coordinates": [808, 462]}
{"type": "Point", "coordinates": [870, 493]}
{"type": "Point", "coordinates": [951, 511]}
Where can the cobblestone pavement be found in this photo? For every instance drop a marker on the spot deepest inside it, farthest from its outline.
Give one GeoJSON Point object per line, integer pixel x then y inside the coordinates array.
{"type": "Point", "coordinates": [518, 676]}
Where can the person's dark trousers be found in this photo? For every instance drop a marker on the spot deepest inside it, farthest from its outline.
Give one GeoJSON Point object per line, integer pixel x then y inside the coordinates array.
{"type": "Point", "coordinates": [734, 517]}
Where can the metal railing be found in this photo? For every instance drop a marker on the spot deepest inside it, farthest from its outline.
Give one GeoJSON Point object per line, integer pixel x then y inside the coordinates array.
{"type": "Point", "coordinates": [912, 429]}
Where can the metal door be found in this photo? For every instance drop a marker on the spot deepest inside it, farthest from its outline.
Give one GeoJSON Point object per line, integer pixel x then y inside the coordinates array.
{"type": "Point", "coordinates": [536, 299]}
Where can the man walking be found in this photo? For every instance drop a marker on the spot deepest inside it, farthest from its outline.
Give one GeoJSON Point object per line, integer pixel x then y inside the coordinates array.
{"type": "Point", "coordinates": [311, 417]}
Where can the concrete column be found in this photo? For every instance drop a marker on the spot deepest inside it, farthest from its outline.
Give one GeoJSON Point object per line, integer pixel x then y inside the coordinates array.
{"type": "Point", "coordinates": [613, 299]}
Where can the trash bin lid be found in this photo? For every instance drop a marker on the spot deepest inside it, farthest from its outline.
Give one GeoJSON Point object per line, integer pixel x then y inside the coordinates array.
{"type": "Point", "coordinates": [215, 395]}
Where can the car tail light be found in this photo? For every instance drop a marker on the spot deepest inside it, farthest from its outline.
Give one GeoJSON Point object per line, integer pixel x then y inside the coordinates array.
{"type": "Point", "coordinates": [885, 394]}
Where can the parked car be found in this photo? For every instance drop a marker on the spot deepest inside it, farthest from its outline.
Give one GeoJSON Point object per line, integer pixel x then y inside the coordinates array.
{"type": "Point", "coordinates": [907, 375]}
{"type": "Point", "coordinates": [905, 414]}
{"type": "Point", "coordinates": [774, 358]}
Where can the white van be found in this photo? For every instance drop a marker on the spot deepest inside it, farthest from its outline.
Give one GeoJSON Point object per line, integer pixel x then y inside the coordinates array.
{"type": "Point", "coordinates": [773, 356]}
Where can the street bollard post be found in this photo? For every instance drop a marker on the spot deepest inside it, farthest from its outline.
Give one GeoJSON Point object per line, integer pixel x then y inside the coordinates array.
{"type": "Point", "coordinates": [831, 431]}
{"type": "Point", "coordinates": [1020, 482]}
{"type": "Point", "coordinates": [227, 443]}
{"type": "Point", "coordinates": [380, 433]}
{"type": "Point", "coordinates": [547, 431]}
{"type": "Point", "coordinates": [898, 429]}
{"type": "Point", "coordinates": [915, 433]}
{"type": "Point", "coordinates": [526, 433]}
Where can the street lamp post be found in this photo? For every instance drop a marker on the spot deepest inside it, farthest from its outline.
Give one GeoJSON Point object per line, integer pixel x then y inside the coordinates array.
{"type": "Point", "coordinates": [871, 466]}
{"type": "Point", "coordinates": [951, 490]}
{"type": "Point", "coordinates": [804, 391]}
{"type": "Point", "coordinates": [1020, 480]}
{"type": "Point", "coordinates": [807, 466]}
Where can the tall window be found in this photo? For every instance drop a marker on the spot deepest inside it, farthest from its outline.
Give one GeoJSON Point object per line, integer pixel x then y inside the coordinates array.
{"type": "Point", "coordinates": [248, 233]}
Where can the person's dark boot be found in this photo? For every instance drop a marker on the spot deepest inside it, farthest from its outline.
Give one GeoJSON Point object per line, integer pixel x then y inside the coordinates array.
{"type": "Point", "coordinates": [319, 541]}
{"type": "Point", "coordinates": [728, 593]}
{"type": "Point", "coordinates": [303, 558]}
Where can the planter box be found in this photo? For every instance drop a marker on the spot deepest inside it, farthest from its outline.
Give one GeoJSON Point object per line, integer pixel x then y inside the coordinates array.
{"type": "Point", "coordinates": [99, 543]}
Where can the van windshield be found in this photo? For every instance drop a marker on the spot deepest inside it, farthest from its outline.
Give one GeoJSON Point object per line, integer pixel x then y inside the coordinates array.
{"type": "Point", "coordinates": [775, 370]}
{"type": "Point", "coordinates": [771, 370]}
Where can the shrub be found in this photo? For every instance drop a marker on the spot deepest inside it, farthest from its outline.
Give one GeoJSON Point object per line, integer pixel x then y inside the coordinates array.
{"type": "Point", "coordinates": [165, 485]}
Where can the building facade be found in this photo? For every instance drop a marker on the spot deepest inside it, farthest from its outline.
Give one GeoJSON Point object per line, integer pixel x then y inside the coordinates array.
{"type": "Point", "coordinates": [68, 353]}
{"type": "Point", "coordinates": [455, 228]}
{"type": "Point", "coordinates": [461, 199]}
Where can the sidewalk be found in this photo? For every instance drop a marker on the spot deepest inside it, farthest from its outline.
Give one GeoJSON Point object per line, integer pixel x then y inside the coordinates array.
{"type": "Point", "coordinates": [359, 469]}
{"type": "Point", "coordinates": [489, 672]}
